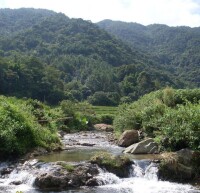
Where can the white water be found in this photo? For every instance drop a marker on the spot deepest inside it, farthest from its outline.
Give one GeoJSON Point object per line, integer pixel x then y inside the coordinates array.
{"type": "Point", "coordinates": [143, 174]}
{"type": "Point", "coordinates": [142, 185]}
{"type": "Point", "coordinates": [143, 179]}
{"type": "Point", "coordinates": [19, 175]}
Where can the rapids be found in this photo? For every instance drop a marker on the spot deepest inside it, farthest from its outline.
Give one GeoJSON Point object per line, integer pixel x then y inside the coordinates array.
{"type": "Point", "coordinates": [142, 179]}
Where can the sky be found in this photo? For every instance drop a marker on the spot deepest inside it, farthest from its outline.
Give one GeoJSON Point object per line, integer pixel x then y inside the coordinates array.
{"type": "Point", "coordinates": [169, 12]}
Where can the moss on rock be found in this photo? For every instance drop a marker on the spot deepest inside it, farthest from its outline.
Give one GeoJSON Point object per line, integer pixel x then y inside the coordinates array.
{"type": "Point", "coordinates": [118, 165]}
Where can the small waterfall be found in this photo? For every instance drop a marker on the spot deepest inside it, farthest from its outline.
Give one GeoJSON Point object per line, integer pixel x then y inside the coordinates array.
{"type": "Point", "coordinates": [151, 172]}
{"type": "Point", "coordinates": [144, 169]}
{"type": "Point", "coordinates": [141, 169]}
{"type": "Point", "coordinates": [143, 179]}
{"type": "Point", "coordinates": [23, 177]}
{"type": "Point", "coordinates": [20, 178]}
{"type": "Point", "coordinates": [105, 177]}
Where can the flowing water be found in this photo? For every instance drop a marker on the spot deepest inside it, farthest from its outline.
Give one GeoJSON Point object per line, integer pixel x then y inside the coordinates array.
{"type": "Point", "coordinates": [143, 174]}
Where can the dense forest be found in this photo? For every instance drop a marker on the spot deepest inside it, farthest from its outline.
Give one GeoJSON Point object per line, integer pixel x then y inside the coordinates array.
{"type": "Point", "coordinates": [47, 56]}
{"type": "Point", "coordinates": [176, 49]}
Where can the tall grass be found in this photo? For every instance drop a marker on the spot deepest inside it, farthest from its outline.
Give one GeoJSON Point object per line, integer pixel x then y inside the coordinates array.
{"type": "Point", "coordinates": [20, 130]}
{"type": "Point", "coordinates": [172, 116]}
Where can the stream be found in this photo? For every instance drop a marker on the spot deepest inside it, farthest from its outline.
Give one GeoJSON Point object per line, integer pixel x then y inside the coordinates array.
{"type": "Point", "coordinates": [79, 148]}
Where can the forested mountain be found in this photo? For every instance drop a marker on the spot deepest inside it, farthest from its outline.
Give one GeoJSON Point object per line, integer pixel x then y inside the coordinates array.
{"type": "Point", "coordinates": [47, 35]}
{"type": "Point", "coordinates": [175, 48]}
{"type": "Point", "coordinates": [50, 57]}
{"type": "Point", "coordinates": [17, 20]}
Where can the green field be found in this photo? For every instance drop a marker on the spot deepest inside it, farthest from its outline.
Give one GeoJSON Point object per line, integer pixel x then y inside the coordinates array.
{"type": "Point", "coordinates": [101, 110]}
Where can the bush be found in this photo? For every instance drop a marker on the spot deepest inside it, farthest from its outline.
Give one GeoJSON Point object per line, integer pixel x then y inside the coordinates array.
{"type": "Point", "coordinates": [182, 126]}
{"type": "Point", "coordinates": [107, 119]}
{"type": "Point", "coordinates": [80, 115]}
{"type": "Point", "coordinates": [168, 97]}
{"type": "Point", "coordinates": [172, 116]}
{"type": "Point", "coordinates": [19, 129]}
{"type": "Point", "coordinates": [127, 119]}
{"type": "Point", "coordinates": [104, 99]}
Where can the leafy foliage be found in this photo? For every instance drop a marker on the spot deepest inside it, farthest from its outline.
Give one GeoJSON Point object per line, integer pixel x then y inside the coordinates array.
{"type": "Point", "coordinates": [169, 115]}
{"type": "Point", "coordinates": [20, 130]}
{"type": "Point", "coordinates": [79, 116]}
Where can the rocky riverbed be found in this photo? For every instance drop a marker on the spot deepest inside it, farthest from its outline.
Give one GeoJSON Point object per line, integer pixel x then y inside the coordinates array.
{"type": "Point", "coordinates": [71, 170]}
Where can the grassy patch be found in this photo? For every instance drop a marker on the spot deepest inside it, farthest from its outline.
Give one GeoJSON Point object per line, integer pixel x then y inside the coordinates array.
{"type": "Point", "coordinates": [68, 167]}
{"type": "Point", "coordinates": [118, 165]}
{"type": "Point", "coordinates": [102, 110]}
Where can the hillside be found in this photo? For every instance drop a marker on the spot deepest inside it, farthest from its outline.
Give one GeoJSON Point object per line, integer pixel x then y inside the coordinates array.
{"type": "Point", "coordinates": [51, 57]}
{"type": "Point", "coordinates": [13, 21]}
{"type": "Point", "coordinates": [49, 35]}
{"type": "Point", "coordinates": [175, 48]}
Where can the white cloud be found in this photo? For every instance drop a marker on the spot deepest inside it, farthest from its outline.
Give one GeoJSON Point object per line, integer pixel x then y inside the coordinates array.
{"type": "Point", "coordinates": [170, 12]}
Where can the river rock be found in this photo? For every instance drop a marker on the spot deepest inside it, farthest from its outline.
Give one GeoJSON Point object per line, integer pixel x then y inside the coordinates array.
{"type": "Point", "coordinates": [5, 171]}
{"type": "Point", "coordinates": [147, 146]}
{"type": "Point", "coordinates": [128, 137]}
{"type": "Point", "coordinates": [85, 144]}
{"type": "Point", "coordinates": [16, 183]}
{"type": "Point", "coordinates": [92, 182]}
{"type": "Point", "coordinates": [119, 165]}
{"type": "Point", "coordinates": [52, 180]}
{"type": "Point", "coordinates": [183, 165]}
{"type": "Point", "coordinates": [104, 127]}
{"type": "Point", "coordinates": [59, 178]}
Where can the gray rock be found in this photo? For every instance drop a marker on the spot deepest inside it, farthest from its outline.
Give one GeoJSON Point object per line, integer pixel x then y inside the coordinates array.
{"type": "Point", "coordinates": [92, 182]}
{"type": "Point", "coordinates": [104, 127]}
{"type": "Point", "coordinates": [147, 146]}
{"type": "Point", "coordinates": [16, 183]}
{"type": "Point", "coordinates": [180, 166]}
{"type": "Point", "coordinates": [5, 171]}
{"type": "Point", "coordinates": [128, 137]}
{"type": "Point", "coordinates": [119, 165]}
{"type": "Point", "coordinates": [59, 178]}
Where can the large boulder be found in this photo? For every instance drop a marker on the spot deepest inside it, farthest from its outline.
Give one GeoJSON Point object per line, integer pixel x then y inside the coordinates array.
{"type": "Point", "coordinates": [119, 165]}
{"type": "Point", "coordinates": [103, 127]}
{"type": "Point", "coordinates": [128, 137]}
{"type": "Point", "coordinates": [53, 180]}
{"type": "Point", "coordinates": [61, 177]}
{"type": "Point", "coordinates": [147, 146]}
{"type": "Point", "coordinates": [183, 165]}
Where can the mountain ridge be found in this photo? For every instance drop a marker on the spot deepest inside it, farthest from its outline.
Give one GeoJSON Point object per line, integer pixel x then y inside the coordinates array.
{"type": "Point", "coordinates": [173, 47]}
{"type": "Point", "coordinates": [55, 58]}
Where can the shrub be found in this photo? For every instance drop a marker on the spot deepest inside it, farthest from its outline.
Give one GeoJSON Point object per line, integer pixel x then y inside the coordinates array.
{"type": "Point", "coordinates": [80, 115]}
{"type": "Point", "coordinates": [19, 129]}
{"type": "Point", "coordinates": [169, 97]}
{"type": "Point", "coordinates": [182, 126]}
{"type": "Point", "coordinates": [104, 99]}
{"type": "Point", "coordinates": [167, 114]}
{"type": "Point", "coordinates": [107, 119]}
